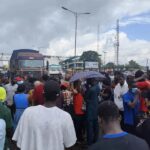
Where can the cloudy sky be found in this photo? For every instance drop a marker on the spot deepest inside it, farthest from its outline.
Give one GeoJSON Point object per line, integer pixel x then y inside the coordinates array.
{"type": "Point", "coordinates": [43, 25]}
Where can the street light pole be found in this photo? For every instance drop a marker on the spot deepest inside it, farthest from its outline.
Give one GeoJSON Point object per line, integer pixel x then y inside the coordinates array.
{"type": "Point", "coordinates": [76, 14]}
{"type": "Point", "coordinates": [104, 59]}
{"type": "Point", "coordinates": [76, 26]}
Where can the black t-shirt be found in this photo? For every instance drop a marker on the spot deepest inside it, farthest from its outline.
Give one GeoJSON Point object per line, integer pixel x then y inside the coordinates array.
{"type": "Point", "coordinates": [144, 130]}
{"type": "Point", "coordinates": [122, 141]}
{"type": "Point", "coordinates": [107, 93]}
{"type": "Point", "coordinates": [146, 94]}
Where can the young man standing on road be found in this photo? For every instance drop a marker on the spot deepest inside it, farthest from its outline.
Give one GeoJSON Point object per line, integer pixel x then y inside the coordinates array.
{"type": "Point", "coordinates": [114, 138]}
{"type": "Point", "coordinates": [131, 104]}
{"type": "Point", "coordinates": [120, 89]}
{"type": "Point", "coordinates": [144, 85]}
{"type": "Point", "coordinates": [45, 127]}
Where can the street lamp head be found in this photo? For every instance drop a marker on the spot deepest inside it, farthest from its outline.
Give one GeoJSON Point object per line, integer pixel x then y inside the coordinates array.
{"type": "Point", "coordinates": [64, 8]}
{"type": "Point", "coordinates": [87, 13]}
{"type": "Point", "coordinates": [68, 10]}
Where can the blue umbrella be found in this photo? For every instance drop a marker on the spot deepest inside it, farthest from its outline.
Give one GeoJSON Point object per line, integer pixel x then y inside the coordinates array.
{"type": "Point", "coordinates": [86, 75]}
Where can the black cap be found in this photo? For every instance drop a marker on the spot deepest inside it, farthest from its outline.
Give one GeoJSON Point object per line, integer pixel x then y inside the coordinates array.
{"type": "Point", "coordinates": [51, 90]}
{"type": "Point", "coordinates": [139, 73]}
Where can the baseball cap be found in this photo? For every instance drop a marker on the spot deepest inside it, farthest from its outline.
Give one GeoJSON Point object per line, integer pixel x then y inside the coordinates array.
{"type": "Point", "coordinates": [139, 73]}
{"type": "Point", "coordinates": [65, 84]}
{"type": "Point", "coordinates": [18, 79]}
{"type": "Point", "coordinates": [51, 90]}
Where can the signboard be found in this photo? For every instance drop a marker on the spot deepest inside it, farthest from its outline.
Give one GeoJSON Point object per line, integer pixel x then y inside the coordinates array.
{"type": "Point", "coordinates": [91, 65]}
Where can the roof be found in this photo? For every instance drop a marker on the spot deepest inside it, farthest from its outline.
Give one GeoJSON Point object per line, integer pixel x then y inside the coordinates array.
{"type": "Point", "coordinates": [25, 53]}
{"type": "Point", "coordinates": [24, 50]}
{"type": "Point", "coordinates": [72, 59]}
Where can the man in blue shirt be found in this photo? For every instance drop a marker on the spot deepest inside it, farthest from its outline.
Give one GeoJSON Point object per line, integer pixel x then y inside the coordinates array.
{"type": "Point", "coordinates": [131, 107]}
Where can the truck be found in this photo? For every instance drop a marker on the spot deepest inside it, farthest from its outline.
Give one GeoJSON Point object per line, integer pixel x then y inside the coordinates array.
{"type": "Point", "coordinates": [55, 70]}
{"type": "Point", "coordinates": [25, 62]}
{"type": "Point", "coordinates": [53, 67]}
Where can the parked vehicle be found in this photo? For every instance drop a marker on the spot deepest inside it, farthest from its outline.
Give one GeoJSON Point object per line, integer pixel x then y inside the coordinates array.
{"type": "Point", "coordinates": [26, 62]}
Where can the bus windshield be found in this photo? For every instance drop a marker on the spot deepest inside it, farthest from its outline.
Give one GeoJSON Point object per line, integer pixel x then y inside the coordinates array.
{"type": "Point", "coordinates": [55, 68]}
{"type": "Point", "coordinates": [31, 63]}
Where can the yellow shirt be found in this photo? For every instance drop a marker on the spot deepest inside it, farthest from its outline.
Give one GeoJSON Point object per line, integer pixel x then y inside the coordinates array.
{"type": "Point", "coordinates": [2, 94]}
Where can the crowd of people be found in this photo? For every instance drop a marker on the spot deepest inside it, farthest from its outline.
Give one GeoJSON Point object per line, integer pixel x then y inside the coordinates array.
{"type": "Point", "coordinates": [53, 114]}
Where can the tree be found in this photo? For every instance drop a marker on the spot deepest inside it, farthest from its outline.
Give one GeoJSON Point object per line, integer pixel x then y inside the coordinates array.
{"type": "Point", "coordinates": [132, 65]}
{"type": "Point", "coordinates": [110, 65]}
{"type": "Point", "coordinates": [90, 56]}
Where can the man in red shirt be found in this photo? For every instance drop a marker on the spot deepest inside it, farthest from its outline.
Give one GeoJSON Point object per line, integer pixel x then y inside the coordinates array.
{"type": "Point", "coordinates": [143, 84]}
{"type": "Point", "coordinates": [38, 96]}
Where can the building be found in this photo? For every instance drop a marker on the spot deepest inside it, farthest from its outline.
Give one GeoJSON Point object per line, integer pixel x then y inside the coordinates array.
{"type": "Point", "coordinates": [4, 60]}
{"type": "Point", "coordinates": [73, 63]}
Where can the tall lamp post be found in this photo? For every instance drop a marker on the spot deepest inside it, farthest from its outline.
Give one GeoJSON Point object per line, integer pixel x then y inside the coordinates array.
{"type": "Point", "coordinates": [104, 59]}
{"type": "Point", "coordinates": [76, 14]}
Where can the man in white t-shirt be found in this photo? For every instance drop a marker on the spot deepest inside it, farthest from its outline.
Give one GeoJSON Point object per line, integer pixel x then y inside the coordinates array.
{"type": "Point", "coordinates": [45, 127]}
{"type": "Point", "coordinates": [2, 133]}
{"type": "Point", "coordinates": [120, 89]}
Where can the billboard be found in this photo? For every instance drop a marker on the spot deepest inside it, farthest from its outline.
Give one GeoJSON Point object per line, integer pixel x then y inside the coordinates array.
{"type": "Point", "coordinates": [91, 65]}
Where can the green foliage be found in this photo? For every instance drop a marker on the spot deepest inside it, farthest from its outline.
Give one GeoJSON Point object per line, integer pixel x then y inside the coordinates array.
{"type": "Point", "coordinates": [90, 56]}
{"type": "Point", "coordinates": [110, 65]}
{"type": "Point", "coordinates": [132, 65]}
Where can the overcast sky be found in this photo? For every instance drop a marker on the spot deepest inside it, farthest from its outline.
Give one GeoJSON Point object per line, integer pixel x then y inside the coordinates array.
{"type": "Point", "coordinates": [43, 25]}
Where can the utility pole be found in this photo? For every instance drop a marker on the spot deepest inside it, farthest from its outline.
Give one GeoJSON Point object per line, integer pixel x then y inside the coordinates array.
{"type": "Point", "coordinates": [104, 59]}
{"type": "Point", "coordinates": [117, 43]}
{"type": "Point", "coordinates": [98, 38]}
{"type": "Point", "coordinates": [147, 67]}
{"type": "Point", "coordinates": [76, 25]}
{"type": "Point", "coordinates": [2, 54]}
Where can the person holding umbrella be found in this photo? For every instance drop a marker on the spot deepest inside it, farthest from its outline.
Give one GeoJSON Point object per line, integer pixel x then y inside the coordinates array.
{"type": "Point", "coordinates": [91, 98]}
